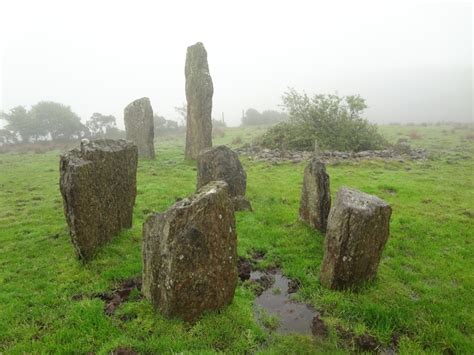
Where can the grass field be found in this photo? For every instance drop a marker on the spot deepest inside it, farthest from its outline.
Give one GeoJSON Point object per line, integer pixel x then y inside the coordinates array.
{"type": "Point", "coordinates": [423, 295]}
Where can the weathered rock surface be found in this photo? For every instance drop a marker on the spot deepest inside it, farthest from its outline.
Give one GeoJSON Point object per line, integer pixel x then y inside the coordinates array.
{"type": "Point", "coordinates": [358, 228]}
{"type": "Point", "coordinates": [139, 126]}
{"type": "Point", "coordinates": [190, 254]}
{"type": "Point", "coordinates": [199, 91]}
{"type": "Point", "coordinates": [221, 163]}
{"type": "Point", "coordinates": [315, 200]}
{"type": "Point", "coordinates": [98, 185]}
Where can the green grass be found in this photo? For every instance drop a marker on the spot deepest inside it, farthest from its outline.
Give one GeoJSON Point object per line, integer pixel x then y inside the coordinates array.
{"type": "Point", "coordinates": [423, 290]}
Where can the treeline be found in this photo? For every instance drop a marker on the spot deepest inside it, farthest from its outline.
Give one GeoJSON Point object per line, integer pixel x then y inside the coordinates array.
{"type": "Point", "coordinates": [268, 117]}
{"type": "Point", "coordinates": [52, 121]}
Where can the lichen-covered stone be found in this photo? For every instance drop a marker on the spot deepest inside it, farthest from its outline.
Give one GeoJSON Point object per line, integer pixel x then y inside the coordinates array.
{"type": "Point", "coordinates": [139, 126]}
{"type": "Point", "coordinates": [199, 91]}
{"type": "Point", "coordinates": [315, 200]}
{"type": "Point", "coordinates": [358, 228]}
{"type": "Point", "coordinates": [222, 163]}
{"type": "Point", "coordinates": [190, 254]}
{"type": "Point", "coordinates": [98, 185]}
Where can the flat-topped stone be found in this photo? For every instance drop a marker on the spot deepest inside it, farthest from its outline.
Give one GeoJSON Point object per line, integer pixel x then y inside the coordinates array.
{"type": "Point", "coordinates": [98, 185]}
{"type": "Point", "coordinates": [358, 228]}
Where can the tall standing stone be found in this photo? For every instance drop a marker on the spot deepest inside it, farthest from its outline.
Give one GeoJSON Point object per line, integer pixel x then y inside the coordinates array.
{"type": "Point", "coordinates": [190, 254]}
{"type": "Point", "coordinates": [315, 200]}
{"type": "Point", "coordinates": [139, 126]}
{"type": "Point", "coordinates": [222, 163]}
{"type": "Point", "coordinates": [358, 229]}
{"type": "Point", "coordinates": [98, 185]}
{"type": "Point", "coordinates": [199, 91]}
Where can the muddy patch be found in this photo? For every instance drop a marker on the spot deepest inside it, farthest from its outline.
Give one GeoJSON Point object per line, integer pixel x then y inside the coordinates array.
{"type": "Point", "coordinates": [124, 351]}
{"type": "Point", "coordinates": [366, 343]}
{"type": "Point", "coordinates": [244, 268]}
{"type": "Point", "coordinates": [274, 302]}
{"type": "Point", "coordinates": [114, 298]}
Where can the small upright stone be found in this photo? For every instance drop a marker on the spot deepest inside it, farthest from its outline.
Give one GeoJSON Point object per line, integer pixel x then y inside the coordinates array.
{"type": "Point", "coordinates": [222, 163]}
{"type": "Point", "coordinates": [190, 254]}
{"type": "Point", "coordinates": [139, 126]}
{"type": "Point", "coordinates": [315, 200]}
{"type": "Point", "coordinates": [199, 91]}
{"type": "Point", "coordinates": [317, 149]}
{"type": "Point", "coordinates": [358, 229]}
{"type": "Point", "coordinates": [98, 185]}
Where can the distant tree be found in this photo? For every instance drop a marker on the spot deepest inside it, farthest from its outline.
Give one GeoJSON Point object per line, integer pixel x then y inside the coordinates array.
{"type": "Point", "coordinates": [272, 116]}
{"type": "Point", "coordinates": [267, 117]}
{"type": "Point", "coordinates": [21, 123]}
{"type": "Point", "coordinates": [218, 123]}
{"type": "Point", "coordinates": [58, 120]}
{"type": "Point", "coordinates": [252, 117]}
{"type": "Point", "coordinates": [113, 132]}
{"type": "Point", "coordinates": [183, 113]}
{"type": "Point", "coordinates": [7, 137]}
{"type": "Point", "coordinates": [164, 126]}
{"type": "Point", "coordinates": [99, 124]}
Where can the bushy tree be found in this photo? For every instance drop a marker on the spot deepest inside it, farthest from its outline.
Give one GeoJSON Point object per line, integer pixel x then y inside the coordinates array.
{"type": "Point", "coordinates": [58, 120]}
{"type": "Point", "coordinates": [335, 122]}
{"type": "Point", "coordinates": [253, 117]}
{"type": "Point", "coordinates": [164, 126]}
{"type": "Point", "coordinates": [218, 123]}
{"type": "Point", "coordinates": [22, 124]}
{"type": "Point", "coordinates": [114, 132]}
{"type": "Point", "coordinates": [7, 137]}
{"type": "Point", "coordinates": [183, 113]}
{"type": "Point", "coordinates": [100, 124]}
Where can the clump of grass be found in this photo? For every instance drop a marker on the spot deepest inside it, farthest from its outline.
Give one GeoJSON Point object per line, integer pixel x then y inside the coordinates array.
{"type": "Point", "coordinates": [271, 322]}
{"type": "Point", "coordinates": [414, 135]}
{"type": "Point", "coordinates": [218, 132]}
{"type": "Point", "coordinates": [470, 136]}
{"type": "Point", "coordinates": [237, 140]}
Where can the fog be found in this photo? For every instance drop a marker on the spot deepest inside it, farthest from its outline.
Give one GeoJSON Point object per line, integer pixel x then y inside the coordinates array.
{"type": "Point", "coordinates": [412, 61]}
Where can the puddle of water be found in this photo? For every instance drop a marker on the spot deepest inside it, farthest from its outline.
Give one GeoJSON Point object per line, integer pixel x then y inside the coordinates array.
{"type": "Point", "coordinates": [293, 317]}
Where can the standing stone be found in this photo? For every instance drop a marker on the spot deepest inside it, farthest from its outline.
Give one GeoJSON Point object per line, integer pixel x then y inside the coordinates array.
{"type": "Point", "coordinates": [317, 150]}
{"type": "Point", "coordinates": [139, 127]}
{"type": "Point", "coordinates": [190, 254]}
{"type": "Point", "coordinates": [315, 200]}
{"type": "Point", "coordinates": [358, 229]}
{"type": "Point", "coordinates": [199, 91]}
{"type": "Point", "coordinates": [98, 185]}
{"type": "Point", "coordinates": [222, 163]}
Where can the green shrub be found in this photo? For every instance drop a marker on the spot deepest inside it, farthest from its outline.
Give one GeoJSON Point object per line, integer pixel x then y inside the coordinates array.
{"type": "Point", "coordinates": [335, 122]}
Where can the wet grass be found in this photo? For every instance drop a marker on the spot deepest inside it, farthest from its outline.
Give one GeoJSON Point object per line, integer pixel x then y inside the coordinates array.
{"type": "Point", "coordinates": [422, 295]}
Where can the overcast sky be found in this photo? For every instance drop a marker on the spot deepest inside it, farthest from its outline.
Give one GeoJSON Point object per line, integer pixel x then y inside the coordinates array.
{"type": "Point", "coordinates": [411, 60]}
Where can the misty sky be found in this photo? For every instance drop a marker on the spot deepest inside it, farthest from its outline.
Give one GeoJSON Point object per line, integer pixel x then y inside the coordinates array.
{"type": "Point", "coordinates": [410, 60]}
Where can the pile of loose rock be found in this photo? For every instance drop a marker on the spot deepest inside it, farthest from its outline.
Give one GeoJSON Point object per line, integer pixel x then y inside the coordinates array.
{"type": "Point", "coordinates": [274, 156]}
{"type": "Point", "coordinates": [189, 252]}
